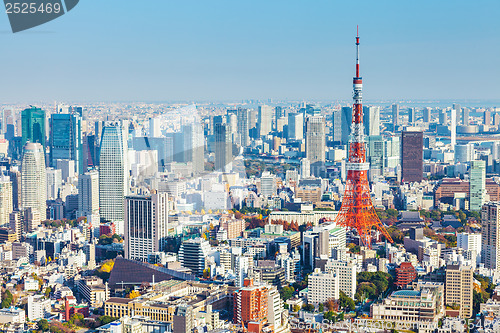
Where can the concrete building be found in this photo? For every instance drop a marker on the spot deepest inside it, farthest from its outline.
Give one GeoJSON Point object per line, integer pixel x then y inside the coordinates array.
{"type": "Point", "coordinates": [38, 307]}
{"type": "Point", "coordinates": [295, 126]}
{"type": "Point", "coordinates": [250, 303]}
{"type": "Point", "coordinates": [459, 286]}
{"type": "Point", "coordinates": [193, 253]}
{"type": "Point", "coordinates": [490, 240]}
{"type": "Point", "coordinates": [470, 242]}
{"type": "Point", "coordinates": [414, 308]}
{"type": "Point", "coordinates": [6, 205]}
{"type": "Point", "coordinates": [88, 193]}
{"type": "Point", "coordinates": [183, 320]}
{"type": "Point", "coordinates": [265, 120]}
{"type": "Point", "coordinates": [146, 225]}
{"type": "Point", "coordinates": [93, 290]}
{"type": "Point", "coordinates": [323, 287]}
{"type": "Point", "coordinates": [347, 273]}
{"type": "Point", "coordinates": [316, 144]}
{"type": "Point", "coordinates": [12, 315]}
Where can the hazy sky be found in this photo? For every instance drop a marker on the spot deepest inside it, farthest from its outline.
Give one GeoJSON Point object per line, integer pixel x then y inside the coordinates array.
{"type": "Point", "coordinates": [152, 50]}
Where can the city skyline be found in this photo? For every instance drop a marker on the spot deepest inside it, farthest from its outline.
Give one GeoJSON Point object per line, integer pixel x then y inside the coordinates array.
{"type": "Point", "coordinates": [228, 51]}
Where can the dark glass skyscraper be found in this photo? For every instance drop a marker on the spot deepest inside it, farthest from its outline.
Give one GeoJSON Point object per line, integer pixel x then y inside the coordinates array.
{"type": "Point", "coordinates": [33, 126]}
{"type": "Point", "coordinates": [412, 164]}
{"type": "Point", "coordinates": [66, 139]}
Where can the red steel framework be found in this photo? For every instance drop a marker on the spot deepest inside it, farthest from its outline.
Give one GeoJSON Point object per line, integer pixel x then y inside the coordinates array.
{"type": "Point", "coordinates": [357, 211]}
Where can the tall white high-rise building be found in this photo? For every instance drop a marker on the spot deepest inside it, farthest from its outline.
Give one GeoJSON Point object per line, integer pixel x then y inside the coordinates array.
{"type": "Point", "coordinates": [154, 128]}
{"type": "Point", "coordinates": [371, 120]}
{"type": "Point", "coordinates": [33, 179]}
{"type": "Point", "coordinates": [347, 275]}
{"type": "Point", "coordinates": [243, 117]}
{"type": "Point", "coordinates": [316, 144]}
{"type": "Point", "coordinates": [453, 128]}
{"type": "Point", "coordinates": [464, 153]}
{"type": "Point", "coordinates": [470, 242]}
{"type": "Point", "coordinates": [490, 237]}
{"type": "Point", "coordinates": [146, 225]}
{"type": "Point", "coordinates": [322, 287]}
{"type": "Point", "coordinates": [54, 183]}
{"type": "Point", "coordinates": [295, 126]}
{"type": "Point", "coordinates": [305, 168]}
{"type": "Point", "coordinates": [477, 183]}
{"type": "Point", "coordinates": [6, 206]}
{"type": "Point", "coordinates": [241, 266]}
{"type": "Point", "coordinates": [88, 193]}
{"type": "Point", "coordinates": [194, 146]}
{"type": "Point", "coordinates": [268, 184]}
{"type": "Point", "coordinates": [265, 120]}
{"type": "Point", "coordinates": [113, 171]}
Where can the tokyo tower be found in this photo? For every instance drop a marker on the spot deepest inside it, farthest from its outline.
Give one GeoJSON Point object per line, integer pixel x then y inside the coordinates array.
{"type": "Point", "coordinates": [357, 211]}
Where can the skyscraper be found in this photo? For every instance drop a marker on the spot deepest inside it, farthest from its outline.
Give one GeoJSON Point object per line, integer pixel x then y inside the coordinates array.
{"type": "Point", "coordinates": [459, 284]}
{"type": "Point", "coordinates": [427, 115]}
{"type": "Point", "coordinates": [453, 128]}
{"type": "Point", "coordinates": [316, 144]}
{"type": "Point", "coordinates": [412, 115]}
{"type": "Point", "coordinates": [88, 193]}
{"type": "Point", "coordinates": [194, 146]}
{"type": "Point", "coordinates": [458, 108]}
{"type": "Point", "coordinates": [477, 185]}
{"type": "Point", "coordinates": [490, 232]}
{"type": "Point", "coordinates": [243, 116]}
{"type": "Point", "coordinates": [265, 120]}
{"type": "Point", "coordinates": [6, 206]}
{"type": "Point", "coordinates": [66, 139]}
{"type": "Point", "coordinates": [223, 147]}
{"type": "Point", "coordinates": [487, 118]}
{"type": "Point", "coordinates": [465, 116]}
{"type": "Point", "coordinates": [154, 128]}
{"type": "Point", "coordinates": [146, 225]}
{"type": "Point", "coordinates": [33, 179]}
{"type": "Point", "coordinates": [113, 180]}
{"type": "Point", "coordinates": [33, 125]}
{"type": "Point", "coordinates": [464, 153]}
{"type": "Point", "coordinates": [376, 155]}
{"type": "Point", "coordinates": [412, 146]}
{"type": "Point", "coordinates": [371, 120]}
{"type": "Point", "coordinates": [443, 117]}
{"type": "Point", "coordinates": [295, 126]}
{"type": "Point", "coordinates": [345, 124]}
{"type": "Point", "coordinates": [395, 114]}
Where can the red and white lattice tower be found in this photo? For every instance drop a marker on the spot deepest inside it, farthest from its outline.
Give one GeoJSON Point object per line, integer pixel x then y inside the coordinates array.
{"type": "Point", "coordinates": [357, 211]}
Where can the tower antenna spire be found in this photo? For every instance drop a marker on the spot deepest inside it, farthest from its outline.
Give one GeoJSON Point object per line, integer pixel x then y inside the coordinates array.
{"type": "Point", "coordinates": [357, 211]}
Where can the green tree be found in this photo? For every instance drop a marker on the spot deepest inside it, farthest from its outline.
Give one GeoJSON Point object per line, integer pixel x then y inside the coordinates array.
{"type": "Point", "coordinates": [7, 299]}
{"type": "Point", "coordinates": [287, 292]}
{"type": "Point", "coordinates": [43, 325]}
{"type": "Point", "coordinates": [106, 319]}
{"type": "Point", "coordinates": [346, 302]}
{"type": "Point", "coordinates": [321, 307]}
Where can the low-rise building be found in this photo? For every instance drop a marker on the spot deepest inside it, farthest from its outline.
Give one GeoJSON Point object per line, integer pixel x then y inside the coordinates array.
{"type": "Point", "coordinates": [93, 290]}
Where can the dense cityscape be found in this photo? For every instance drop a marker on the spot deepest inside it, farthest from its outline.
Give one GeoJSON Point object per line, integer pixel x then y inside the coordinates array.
{"type": "Point", "coordinates": [261, 216]}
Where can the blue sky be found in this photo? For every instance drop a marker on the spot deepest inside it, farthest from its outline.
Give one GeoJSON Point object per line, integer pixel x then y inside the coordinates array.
{"type": "Point", "coordinates": [163, 50]}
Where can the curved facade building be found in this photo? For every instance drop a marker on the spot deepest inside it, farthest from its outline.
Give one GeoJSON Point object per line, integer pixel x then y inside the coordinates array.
{"type": "Point", "coordinates": [33, 179]}
{"type": "Point", "coordinates": [113, 170]}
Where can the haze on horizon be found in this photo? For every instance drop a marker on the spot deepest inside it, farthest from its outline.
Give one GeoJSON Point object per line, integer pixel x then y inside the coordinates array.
{"type": "Point", "coordinates": [234, 50]}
